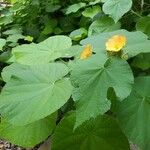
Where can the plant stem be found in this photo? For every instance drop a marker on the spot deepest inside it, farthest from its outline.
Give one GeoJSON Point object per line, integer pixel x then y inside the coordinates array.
{"type": "Point", "coordinates": [135, 13]}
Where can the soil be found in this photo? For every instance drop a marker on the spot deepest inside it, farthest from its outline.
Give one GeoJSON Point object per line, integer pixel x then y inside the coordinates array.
{"type": "Point", "coordinates": [45, 146]}
{"type": "Point", "coordinates": [4, 145]}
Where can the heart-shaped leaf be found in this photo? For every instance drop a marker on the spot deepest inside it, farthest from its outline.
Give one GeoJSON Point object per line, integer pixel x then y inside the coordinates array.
{"type": "Point", "coordinates": [92, 79]}
{"type": "Point", "coordinates": [34, 92]}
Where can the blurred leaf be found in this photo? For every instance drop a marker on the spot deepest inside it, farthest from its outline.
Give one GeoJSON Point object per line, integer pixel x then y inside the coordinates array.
{"type": "Point", "coordinates": [15, 37]}
{"type": "Point", "coordinates": [117, 8]}
{"type": "Point", "coordinates": [91, 11]}
{"type": "Point", "coordinates": [28, 38]}
{"type": "Point", "coordinates": [94, 2]}
{"type": "Point", "coordinates": [75, 7]}
{"type": "Point", "coordinates": [52, 8]}
{"type": "Point", "coordinates": [49, 26]}
{"type": "Point", "coordinates": [5, 20]}
{"type": "Point", "coordinates": [142, 61]}
{"type": "Point", "coordinates": [13, 31]}
{"type": "Point", "coordinates": [104, 24]}
{"type": "Point", "coordinates": [143, 25]}
{"type": "Point", "coordinates": [2, 43]}
{"type": "Point", "coordinates": [78, 34]}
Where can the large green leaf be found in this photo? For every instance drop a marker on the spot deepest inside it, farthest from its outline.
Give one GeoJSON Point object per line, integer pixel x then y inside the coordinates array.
{"type": "Point", "coordinates": [44, 52]}
{"type": "Point", "coordinates": [134, 113]}
{"type": "Point", "coordinates": [117, 8]}
{"type": "Point", "coordinates": [104, 24]}
{"type": "Point", "coordinates": [12, 70]}
{"type": "Point", "coordinates": [100, 133]}
{"type": "Point", "coordinates": [137, 42]}
{"type": "Point", "coordinates": [28, 135]}
{"type": "Point", "coordinates": [34, 92]}
{"type": "Point", "coordinates": [92, 79]}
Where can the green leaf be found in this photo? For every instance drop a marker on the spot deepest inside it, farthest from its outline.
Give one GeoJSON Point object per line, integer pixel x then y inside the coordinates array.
{"type": "Point", "coordinates": [91, 11]}
{"type": "Point", "coordinates": [100, 133]}
{"type": "Point", "coordinates": [137, 42]}
{"type": "Point", "coordinates": [6, 20]}
{"type": "Point", "coordinates": [15, 37]}
{"type": "Point", "coordinates": [104, 24]}
{"type": "Point", "coordinates": [78, 34]}
{"type": "Point", "coordinates": [117, 8]}
{"type": "Point", "coordinates": [134, 113]}
{"type": "Point", "coordinates": [14, 1]}
{"type": "Point", "coordinates": [46, 51]}
{"type": "Point", "coordinates": [92, 79]}
{"type": "Point", "coordinates": [13, 69]}
{"type": "Point", "coordinates": [13, 31]}
{"type": "Point", "coordinates": [143, 25]}
{"type": "Point", "coordinates": [142, 61]}
{"type": "Point", "coordinates": [94, 2]}
{"type": "Point", "coordinates": [2, 43]}
{"type": "Point", "coordinates": [75, 7]}
{"type": "Point", "coordinates": [34, 92]}
{"type": "Point", "coordinates": [49, 26]}
{"type": "Point", "coordinates": [52, 8]}
{"type": "Point", "coordinates": [28, 38]}
{"type": "Point", "coordinates": [4, 56]}
{"type": "Point", "coordinates": [28, 135]}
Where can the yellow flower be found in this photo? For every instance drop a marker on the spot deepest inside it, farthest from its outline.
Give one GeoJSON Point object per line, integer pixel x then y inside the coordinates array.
{"type": "Point", "coordinates": [87, 52]}
{"type": "Point", "coordinates": [116, 43]}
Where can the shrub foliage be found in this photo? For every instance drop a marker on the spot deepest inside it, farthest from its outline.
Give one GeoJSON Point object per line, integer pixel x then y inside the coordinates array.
{"type": "Point", "coordinates": [77, 72]}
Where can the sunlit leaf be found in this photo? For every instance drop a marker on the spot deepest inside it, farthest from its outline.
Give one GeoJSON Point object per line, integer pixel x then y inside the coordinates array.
{"type": "Point", "coordinates": [117, 8]}
{"type": "Point", "coordinates": [92, 78]}
{"type": "Point", "coordinates": [34, 92]}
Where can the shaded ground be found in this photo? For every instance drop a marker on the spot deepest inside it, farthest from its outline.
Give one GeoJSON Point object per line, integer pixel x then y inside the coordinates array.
{"type": "Point", "coordinates": [46, 146]}
{"type": "Point", "coordinates": [8, 146]}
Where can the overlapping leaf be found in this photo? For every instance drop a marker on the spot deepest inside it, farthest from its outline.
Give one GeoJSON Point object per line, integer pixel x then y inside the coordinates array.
{"type": "Point", "coordinates": [100, 133]}
{"type": "Point", "coordinates": [91, 11]}
{"type": "Point", "coordinates": [34, 92]}
{"type": "Point", "coordinates": [117, 8]}
{"type": "Point", "coordinates": [44, 52]}
{"type": "Point", "coordinates": [28, 135]}
{"type": "Point", "coordinates": [75, 7]}
{"type": "Point", "coordinates": [2, 43]}
{"type": "Point", "coordinates": [104, 24]}
{"type": "Point", "coordinates": [142, 61]}
{"type": "Point", "coordinates": [137, 42]}
{"type": "Point", "coordinates": [134, 113]}
{"type": "Point", "coordinates": [143, 25]}
{"type": "Point", "coordinates": [92, 79]}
